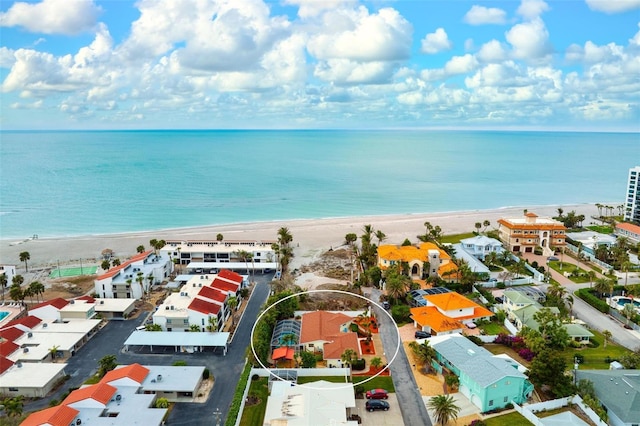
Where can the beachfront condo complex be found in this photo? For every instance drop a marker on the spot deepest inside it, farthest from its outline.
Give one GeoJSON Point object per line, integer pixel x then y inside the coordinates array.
{"type": "Point", "coordinates": [632, 200]}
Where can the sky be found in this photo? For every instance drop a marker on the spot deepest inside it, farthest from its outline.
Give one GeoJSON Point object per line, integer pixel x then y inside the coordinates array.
{"type": "Point", "coordinates": [220, 64]}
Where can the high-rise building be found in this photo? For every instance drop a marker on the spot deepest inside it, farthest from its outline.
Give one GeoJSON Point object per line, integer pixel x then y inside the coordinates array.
{"type": "Point", "coordinates": [632, 202]}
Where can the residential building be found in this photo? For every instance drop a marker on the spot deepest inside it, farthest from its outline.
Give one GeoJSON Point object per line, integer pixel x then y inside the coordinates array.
{"type": "Point", "coordinates": [205, 256]}
{"type": "Point", "coordinates": [447, 313]}
{"type": "Point", "coordinates": [632, 199]}
{"type": "Point", "coordinates": [524, 234]}
{"type": "Point", "coordinates": [591, 240]}
{"type": "Point", "coordinates": [328, 332]}
{"type": "Point", "coordinates": [8, 271]}
{"type": "Point", "coordinates": [521, 310]}
{"type": "Point", "coordinates": [618, 392]}
{"type": "Point", "coordinates": [29, 379]}
{"type": "Point", "coordinates": [318, 403]}
{"type": "Point", "coordinates": [134, 277]}
{"type": "Point", "coordinates": [437, 261]}
{"type": "Point", "coordinates": [490, 382]}
{"type": "Point", "coordinates": [481, 245]}
{"type": "Point", "coordinates": [201, 298]}
{"type": "Point", "coordinates": [628, 230]}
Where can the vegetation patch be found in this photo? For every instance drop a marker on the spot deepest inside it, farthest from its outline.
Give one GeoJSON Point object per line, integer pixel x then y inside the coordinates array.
{"type": "Point", "coordinates": [596, 358]}
{"type": "Point", "coordinates": [256, 404]}
{"type": "Point", "coordinates": [603, 229]}
{"type": "Point", "coordinates": [331, 379]}
{"type": "Point", "coordinates": [380, 382]}
{"type": "Point", "coordinates": [511, 419]}
{"type": "Point", "coordinates": [455, 238]}
{"type": "Point", "coordinates": [237, 396]}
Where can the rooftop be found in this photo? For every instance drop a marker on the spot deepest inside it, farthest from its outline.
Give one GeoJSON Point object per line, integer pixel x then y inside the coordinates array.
{"type": "Point", "coordinates": [100, 392]}
{"type": "Point", "coordinates": [319, 325]}
{"type": "Point", "coordinates": [60, 415]}
{"type": "Point", "coordinates": [135, 372]}
{"type": "Point", "coordinates": [31, 374]}
{"type": "Point", "coordinates": [618, 390]}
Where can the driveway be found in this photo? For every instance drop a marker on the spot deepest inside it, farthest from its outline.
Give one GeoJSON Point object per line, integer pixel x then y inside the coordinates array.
{"type": "Point", "coordinates": [393, 417]}
{"type": "Point", "coordinates": [414, 412]}
{"type": "Point", "coordinates": [585, 312]}
{"type": "Point", "coordinates": [466, 407]}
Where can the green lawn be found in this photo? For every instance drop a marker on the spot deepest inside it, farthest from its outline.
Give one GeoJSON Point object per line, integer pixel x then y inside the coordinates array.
{"type": "Point", "coordinates": [493, 328]}
{"type": "Point", "coordinates": [455, 238]}
{"type": "Point", "coordinates": [253, 415]}
{"type": "Point", "coordinates": [92, 380]}
{"type": "Point", "coordinates": [332, 379]}
{"type": "Point", "coordinates": [601, 229]}
{"type": "Point", "coordinates": [594, 357]}
{"type": "Point", "coordinates": [380, 382]}
{"type": "Point", "coordinates": [569, 267]}
{"type": "Point", "coordinates": [511, 419]}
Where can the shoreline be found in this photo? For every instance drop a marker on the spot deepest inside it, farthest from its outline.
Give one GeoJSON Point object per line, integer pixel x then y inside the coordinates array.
{"type": "Point", "coordinates": [310, 236]}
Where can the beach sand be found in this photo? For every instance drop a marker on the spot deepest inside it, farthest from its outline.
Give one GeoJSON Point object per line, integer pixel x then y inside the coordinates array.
{"type": "Point", "coordinates": [311, 237]}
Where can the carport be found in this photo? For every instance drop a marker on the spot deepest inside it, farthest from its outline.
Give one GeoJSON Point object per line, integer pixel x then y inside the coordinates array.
{"type": "Point", "coordinates": [182, 342]}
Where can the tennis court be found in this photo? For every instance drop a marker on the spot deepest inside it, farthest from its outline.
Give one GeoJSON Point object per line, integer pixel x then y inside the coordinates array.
{"type": "Point", "coordinates": [73, 272]}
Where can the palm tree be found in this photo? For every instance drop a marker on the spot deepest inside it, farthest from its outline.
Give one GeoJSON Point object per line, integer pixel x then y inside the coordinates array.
{"type": "Point", "coordinates": [478, 225]}
{"type": "Point", "coordinates": [53, 351]}
{"type": "Point", "coordinates": [16, 293]}
{"type": "Point", "coordinates": [3, 284]}
{"type": "Point", "coordinates": [625, 268]}
{"type": "Point", "coordinates": [153, 243]}
{"type": "Point", "coordinates": [140, 279]}
{"type": "Point", "coordinates": [14, 406]}
{"type": "Point", "coordinates": [560, 211]}
{"type": "Point", "coordinates": [284, 237]}
{"type": "Point", "coordinates": [219, 237]}
{"type": "Point", "coordinates": [381, 236]}
{"type": "Point", "coordinates": [37, 288]}
{"type": "Point", "coordinates": [556, 291]}
{"type": "Point", "coordinates": [162, 403]}
{"type": "Point", "coordinates": [486, 224]}
{"type": "Point", "coordinates": [115, 262]}
{"type": "Point", "coordinates": [27, 292]}
{"type": "Point", "coordinates": [628, 310]}
{"type": "Point", "coordinates": [24, 256]}
{"type": "Point", "coordinates": [348, 356]}
{"type": "Point", "coordinates": [286, 253]}
{"type": "Point", "coordinates": [195, 328]}
{"type": "Point", "coordinates": [444, 408]}
{"type": "Point", "coordinates": [106, 264]}
{"type": "Point", "coordinates": [491, 258]}
{"type": "Point", "coordinates": [592, 276]}
{"type": "Point", "coordinates": [396, 284]}
{"type": "Point", "coordinates": [607, 336]}
{"type": "Point", "coordinates": [140, 249]}
{"type": "Point", "coordinates": [212, 324]}
{"type": "Point", "coordinates": [424, 353]}
{"type": "Point", "coordinates": [602, 285]}
{"type": "Point", "coordinates": [245, 256]}
{"type": "Point", "coordinates": [232, 303]}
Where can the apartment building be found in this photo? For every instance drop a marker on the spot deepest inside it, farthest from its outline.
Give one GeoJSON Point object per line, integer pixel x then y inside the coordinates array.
{"type": "Point", "coordinates": [632, 199]}
{"type": "Point", "coordinates": [523, 234]}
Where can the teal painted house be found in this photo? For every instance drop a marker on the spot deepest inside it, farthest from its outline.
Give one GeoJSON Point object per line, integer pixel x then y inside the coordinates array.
{"type": "Point", "coordinates": [489, 381]}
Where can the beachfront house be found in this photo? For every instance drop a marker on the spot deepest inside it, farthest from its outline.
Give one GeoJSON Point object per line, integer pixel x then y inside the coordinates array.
{"type": "Point", "coordinates": [481, 245]}
{"type": "Point", "coordinates": [524, 234]}
{"type": "Point", "coordinates": [628, 230]}
{"type": "Point", "coordinates": [447, 313]}
{"type": "Point", "coordinates": [426, 260]}
{"type": "Point", "coordinates": [619, 393]}
{"type": "Point", "coordinates": [135, 277]}
{"type": "Point", "coordinates": [489, 381]}
{"type": "Point", "coordinates": [207, 256]}
{"type": "Point", "coordinates": [9, 271]}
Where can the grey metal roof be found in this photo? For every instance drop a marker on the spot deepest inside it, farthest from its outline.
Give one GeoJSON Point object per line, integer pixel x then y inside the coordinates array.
{"type": "Point", "coordinates": [282, 328]}
{"type": "Point", "coordinates": [618, 390]}
{"type": "Point", "coordinates": [458, 349]}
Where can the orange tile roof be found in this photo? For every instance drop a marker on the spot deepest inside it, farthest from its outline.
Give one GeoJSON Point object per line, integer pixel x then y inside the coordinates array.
{"type": "Point", "coordinates": [410, 253]}
{"type": "Point", "coordinates": [204, 307]}
{"type": "Point", "coordinates": [534, 226]}
{"type": "Point", "coordinates": [450, 301]}
{"type": "Point", "coordinates": [11, 333]}
{"type": "Point", "coordinates": [5, 364]}
{"type": "Point", "coordinates": [430, 316]}
{"type": "Point", "coordinates": [319, 325]}
{"type": "Point", "coordinates": [339, 343]}
{"type": "Point", "coordinates": [113, 271]}
{"type": "Point", "coordinates": [629, 227]}
{"type": "Point", "coordinates": [135, 372]}
{"type": "Point", "coordinates": [283, 352]}
{"type": "Point", "coordinates": [100, 392]}
{"type": "Point", "coordinates": [58, 303]}
{"type": "Point", "coordinates": [60, 415]}
{"type": "Point", "coordinates": [230, 275]}
{"type": "Point", "coordinates": [448, 270]}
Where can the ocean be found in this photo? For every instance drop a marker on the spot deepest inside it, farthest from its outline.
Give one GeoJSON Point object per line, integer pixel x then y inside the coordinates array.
{"type": "Point", "coordinates": [99, 182]}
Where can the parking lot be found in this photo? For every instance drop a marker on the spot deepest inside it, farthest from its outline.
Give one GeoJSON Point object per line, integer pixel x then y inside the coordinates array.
{"type": "Point", "coordinates": [393, 417]}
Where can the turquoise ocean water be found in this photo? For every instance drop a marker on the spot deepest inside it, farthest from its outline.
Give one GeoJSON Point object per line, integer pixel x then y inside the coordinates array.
{"type": "Point", "coordinates": [76, 183]}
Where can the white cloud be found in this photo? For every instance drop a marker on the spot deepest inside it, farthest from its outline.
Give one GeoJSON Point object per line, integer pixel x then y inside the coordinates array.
{"type": "Point", "coordinates": [436, 42]}
{"type": "Point", "coordinates": [530, 41]}
{"type": "Point", "coordinates": [479, 15]}
{"type": "Point", "coordinates": [592, 53]}
{"type": "Point", "coordinates": [492, 51]}
{"type": "Point", "coordinates": [531, 9]}
{"type": "Point", "coordinates": [345, 71]}
{"type": "Point", "coordinates": [312, 8]}
{"type": "Point", "coordinates": [67, 17]}
{"type": "Point", "coordinates": [613, 6]}
{"type": "Point", "coordinates": [461, 64]}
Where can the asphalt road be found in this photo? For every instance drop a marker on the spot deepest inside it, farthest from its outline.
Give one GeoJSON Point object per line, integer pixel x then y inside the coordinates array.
{"type": "Point", "coordinates": [225, 369]}
{"type": "Point", "coordinates": [414, 411]}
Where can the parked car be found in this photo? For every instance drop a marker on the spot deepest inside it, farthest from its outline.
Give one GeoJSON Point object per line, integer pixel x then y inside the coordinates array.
{"type": "Point", "coordinates": [386, 305]}
{"type": "Point", "coordinates": [377, 394]}
{"type": "Point", "coordinates": [552, 259]}
{"type": "Point", "coordinates": [422, 334]}
{"type": "Point", "coordinates": [376, 404]}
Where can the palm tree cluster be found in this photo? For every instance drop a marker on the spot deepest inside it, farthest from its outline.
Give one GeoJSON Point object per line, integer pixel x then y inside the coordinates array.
{"type": "Point", "coordinates": [615, 255]}
{"type": "Point", "coordinates": [432, 233]}
{"type": "Point", "coordinates": [283, 249]}
{"type": "Point", "coordinates": [424, 354]}
{"type": "Point", "coordinates": [156, 245]}
{"type": "Point", "coordinates": [609, 210]}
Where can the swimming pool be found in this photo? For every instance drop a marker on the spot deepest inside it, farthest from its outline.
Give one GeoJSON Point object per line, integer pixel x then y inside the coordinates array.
{"type": "Point", "coordinates": [625, 300]}
{"type": "Point", "coordinates": [3, 314]}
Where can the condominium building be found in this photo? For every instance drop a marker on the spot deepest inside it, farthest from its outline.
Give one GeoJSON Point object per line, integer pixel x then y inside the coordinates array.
{"type": "Point", "coordinates": [632, 200]}
{"type": "Point", "coordinates": [523, 234]}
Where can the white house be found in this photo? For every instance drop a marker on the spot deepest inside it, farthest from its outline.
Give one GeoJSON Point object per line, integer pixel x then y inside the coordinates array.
{"type": "Point", "coordinates": [8, 271]}
{"type": "Point", "coordinates": [134, 277]}
{"type": "Point", "coordinates": [481, 245]}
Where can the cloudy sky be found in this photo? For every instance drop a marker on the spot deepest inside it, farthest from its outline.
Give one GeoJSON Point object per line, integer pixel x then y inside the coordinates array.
{"type": "Point", "coordinates": [119, 64]}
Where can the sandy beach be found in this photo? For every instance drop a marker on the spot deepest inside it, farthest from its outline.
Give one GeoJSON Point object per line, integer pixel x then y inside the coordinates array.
{"type": "Point", "coordinates": [311, 237]}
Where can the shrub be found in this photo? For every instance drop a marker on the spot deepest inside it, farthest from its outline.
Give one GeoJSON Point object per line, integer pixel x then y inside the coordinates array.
{"type": "Point", "coordinates": [180, 363]}
{"type": "Point", "coordinates": [476, 340]}
{"type": "Point", "coordinates": [588, 296]}
{"type": "Point", "coordinates": [509, 406]}
{"type": "Point", "coordinates": [206, 374]}
{"type": "Point", "coordinates": [359, 389]}
{"type": "Point", "coordinates": [237, 396]}
{"type": "Point", "coordinates": [526, 354]}
{"type": "Point", "coordinates": [358, 364]}
{"type": "Point", "coordinates": [400, 313]}
{"type": "Point", "coordinates": [477, 422]}
{"type": "Point", "coordinates": [501, 285]}
{"type": "Point", "coordinates": [579, 358]}
{"type": "Point", "coordinates": [255, 377]}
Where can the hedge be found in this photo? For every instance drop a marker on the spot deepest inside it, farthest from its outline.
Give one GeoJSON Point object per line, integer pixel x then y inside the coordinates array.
{"type": "Point", "coordinates": [588, 296]}
{"type": "Point", "coordinates": [234, 410]}
{"type": "Point", "coordinates": [358, 364]}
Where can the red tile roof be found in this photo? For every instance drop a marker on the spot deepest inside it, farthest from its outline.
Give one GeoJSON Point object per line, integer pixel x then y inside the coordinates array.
{"type": "Point", "coordinates": [100, 392]}
{"type": "Point", "coordinates": [57, 303]}
{"type": "Point", "coordinates": [135, 372]}
{"type": "Point", "coordinates": [202, 306]}
{"type": "Point", "coordinates": [5, 364]}
{"type": "Point", "coordinates": [28, 321]}
{"type": "Point", "coordinates": [11, 333]}
{"type": "Point", "coordinates": [230, 275]}
{"type": "Point", "coordinates": [339, 343]}
{"type": "Point", "coordinates": [213, 294]}
{"type": "Point", "coordinates": [113, 271]}
{"type": "Point", "coordinates": [321, 324]}
{"type": "Point", "coordinates": [60, 415]}
{"type": "Point", "coordinates": [283, 352]}
{"type": "Point", "coordinates": [89, 299]}
{"type": "Point", "coordinates": [225, 285]}
{"type": "Point", "coordinates": [7, 348]}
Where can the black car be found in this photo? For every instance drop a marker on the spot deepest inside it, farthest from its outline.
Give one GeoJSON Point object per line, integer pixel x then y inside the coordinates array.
{"type": "Point", "coordinates": [386, 305]}
{"type": "Point", "coordinates": [422, 334]}
{"type": "Point", "coordinates": [376, 404]}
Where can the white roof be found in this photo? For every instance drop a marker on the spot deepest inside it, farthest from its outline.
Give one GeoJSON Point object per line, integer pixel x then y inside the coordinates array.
{"type": "Point", "coordinates": [132, 408]}
{"type": "Point", "coordinates": [68, 326]}
{"type": "Point", "coordinates": [481, 240]}
{"type": "Point", "coordinates": [319, 403]}
{"type": "Point", "coordinates": [474, 264]}
{"type": "Point", "coordinates": [114, 305]}
{"type": "Point", "coordinates": [31, 374]}
{"type": "Point", "coordinates": [39, 345]}
{"type": "Point", "coordinates": [231, 265]}
{"type": "Point", "coordinates": [590, 238]}
{"type": "Point", "coordinates": [173, 378]}
{"type": "Point", "coordinates": [169, 338]}
{"type": "Point", "coordinates": [77, 306]}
